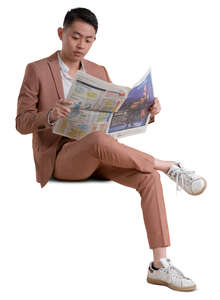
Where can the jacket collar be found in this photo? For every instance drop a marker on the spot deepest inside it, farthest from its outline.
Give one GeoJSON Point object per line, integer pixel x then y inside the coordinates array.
{"type": "Point", "coordinates": [55, 70]}
{"type": "Point", "coordinates": [64, 67]}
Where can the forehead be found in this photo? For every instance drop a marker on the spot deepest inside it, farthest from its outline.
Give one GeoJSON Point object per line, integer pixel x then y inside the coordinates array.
{"type": "Point", "coordinates": [82, 28]}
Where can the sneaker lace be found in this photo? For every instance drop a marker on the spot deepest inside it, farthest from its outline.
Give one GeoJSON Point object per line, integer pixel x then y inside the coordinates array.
{"type": "Point", "coordinates": [175, 272]}
{"type": "Point", "coordinates": [183, 176]}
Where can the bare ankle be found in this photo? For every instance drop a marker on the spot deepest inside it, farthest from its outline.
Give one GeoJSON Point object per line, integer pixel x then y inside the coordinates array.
{"type": "Point", "coordinates": [157, 264]}
{"type": "Point", "coordinates": [159, 253]}
{"type": "Point", "coordinates": [163, 165]}
{"type": "Point", "coordinates": [169, 164]}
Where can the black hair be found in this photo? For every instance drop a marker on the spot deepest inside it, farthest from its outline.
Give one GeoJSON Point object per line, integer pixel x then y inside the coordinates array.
{"type": "Point", "coordinates": [80, 13]}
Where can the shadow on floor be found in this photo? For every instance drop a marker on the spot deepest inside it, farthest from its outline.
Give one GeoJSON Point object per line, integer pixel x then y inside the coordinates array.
{"type": "Point", "coordinates": [90, 179]}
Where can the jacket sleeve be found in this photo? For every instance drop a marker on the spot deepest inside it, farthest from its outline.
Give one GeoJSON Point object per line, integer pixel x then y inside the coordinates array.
{"type": "Point", "coordinates": [29, 119]}
{"type": "Point", "coordinates": [152, 119]}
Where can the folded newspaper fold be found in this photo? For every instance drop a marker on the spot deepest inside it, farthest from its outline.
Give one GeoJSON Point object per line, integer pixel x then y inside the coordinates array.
{"type": "Point", "coordinates": [98, 105]}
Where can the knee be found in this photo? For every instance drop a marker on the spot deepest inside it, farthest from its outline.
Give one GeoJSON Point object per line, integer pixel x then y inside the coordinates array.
{"type": "Point", "coordinates": [155, 174]}
{"type": "Point", "coordinates": [148, 179]}
{"type": "Point", "coordinates": [98, 137]}
{"type": "Point", "coordinates": [149, 186]}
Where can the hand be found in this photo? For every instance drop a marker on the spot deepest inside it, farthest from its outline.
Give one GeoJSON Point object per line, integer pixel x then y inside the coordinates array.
{"type": "Point", "coordinates": [155, 108]}
{"type": "Point", "coordinates": [60, 110]}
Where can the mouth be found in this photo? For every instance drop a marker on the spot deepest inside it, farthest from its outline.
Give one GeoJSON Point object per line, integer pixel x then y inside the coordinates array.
{"type": "Point", "coordinates": [77, 53]}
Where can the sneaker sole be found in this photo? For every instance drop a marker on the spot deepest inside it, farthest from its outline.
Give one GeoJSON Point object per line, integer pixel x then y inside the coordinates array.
{"type": "Point", "coordinates": [196, 194]}
{"type": "Point", "coordinates": [173, 287]}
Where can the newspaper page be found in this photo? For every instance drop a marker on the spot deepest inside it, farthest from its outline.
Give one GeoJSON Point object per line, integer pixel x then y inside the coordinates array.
{"type": "Point", "coordinates": [100, 105]}
{"type": "Point", "coordinates": [133, 115]}
{"type": "Point", "coordinates": [93, 103]}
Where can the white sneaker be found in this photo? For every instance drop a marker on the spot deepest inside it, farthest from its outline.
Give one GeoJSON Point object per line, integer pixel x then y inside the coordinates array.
{"type": "Point", "coordinates": [191, 183]}
{"type": "Point", "coordinates": [170, 276]}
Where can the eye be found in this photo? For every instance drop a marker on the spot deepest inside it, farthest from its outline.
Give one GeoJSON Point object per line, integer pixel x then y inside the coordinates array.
{"type": "Point", "coordinates": [88, 41]}
{"type": "Point", "coordinates": [75, 38]}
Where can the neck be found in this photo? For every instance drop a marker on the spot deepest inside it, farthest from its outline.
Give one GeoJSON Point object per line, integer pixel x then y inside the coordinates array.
{"type": "Point", "coordinates": [73, 65]}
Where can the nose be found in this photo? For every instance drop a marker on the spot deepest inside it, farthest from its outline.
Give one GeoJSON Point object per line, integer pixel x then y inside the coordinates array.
{"type": "Point", "coordinates": [80, 44]}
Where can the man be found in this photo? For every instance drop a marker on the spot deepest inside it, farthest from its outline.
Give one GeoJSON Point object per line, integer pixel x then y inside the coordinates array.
{"type": "Point", "coordinates": [42, 101]}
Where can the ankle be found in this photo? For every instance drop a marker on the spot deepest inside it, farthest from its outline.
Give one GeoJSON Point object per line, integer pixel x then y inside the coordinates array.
{"type": "Point", "coordinates": [168, 166]}
{"type": "Point", "coordinates": [157, 264]}
{"type": "Point", "coordinates": [163, 165]}
{"type": "Point", "coordinates": [159, 253]}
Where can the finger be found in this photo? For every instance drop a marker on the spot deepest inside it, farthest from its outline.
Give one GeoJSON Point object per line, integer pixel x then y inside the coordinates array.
{"type": "Point", "coordinates": [157, 104]}
{"type": "Point", "coordinates": [61, 115]}
{"type": "Point", "coordinates": [154, 111]}
{"type": "Point", "coordinates": [65, 110]}
{"type": "Point", "coordinates": [153, 107]}
{"type": "Point", "coordinates": [63, 107]}
{"type": "Point", "coordinates": [64, 101]}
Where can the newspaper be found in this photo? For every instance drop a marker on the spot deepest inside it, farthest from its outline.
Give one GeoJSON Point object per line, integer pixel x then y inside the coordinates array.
{"type": "Point", "coordinates": [98, 105]}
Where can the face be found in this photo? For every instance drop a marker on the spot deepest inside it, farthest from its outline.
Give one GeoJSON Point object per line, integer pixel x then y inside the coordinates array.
{"type": "Point", "coordinates": [77, 40]}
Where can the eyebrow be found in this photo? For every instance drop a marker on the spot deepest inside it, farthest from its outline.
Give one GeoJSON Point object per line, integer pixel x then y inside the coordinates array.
{"type": "Point", "coordinates": [89, 36]}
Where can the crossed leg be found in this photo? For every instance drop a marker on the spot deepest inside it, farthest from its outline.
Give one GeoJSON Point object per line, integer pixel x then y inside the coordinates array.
{"type": "Point", "coordinates": [101, 156]}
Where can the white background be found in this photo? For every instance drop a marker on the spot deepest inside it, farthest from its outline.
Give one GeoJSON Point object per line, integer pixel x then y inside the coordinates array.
{"type": "Point", "coordinates": [87, 240]}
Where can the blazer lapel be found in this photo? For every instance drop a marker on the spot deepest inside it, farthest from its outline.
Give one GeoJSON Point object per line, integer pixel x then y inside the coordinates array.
{"type": "Point", "coordinates": [55, 70]}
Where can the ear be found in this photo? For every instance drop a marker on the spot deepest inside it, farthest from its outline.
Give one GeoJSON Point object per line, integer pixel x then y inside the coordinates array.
{"type": "Point", "coordinates": [60, 32]}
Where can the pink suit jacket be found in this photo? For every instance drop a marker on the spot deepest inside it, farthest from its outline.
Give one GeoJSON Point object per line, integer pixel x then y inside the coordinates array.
{"type": "Point", "coordinates": [41, 88]}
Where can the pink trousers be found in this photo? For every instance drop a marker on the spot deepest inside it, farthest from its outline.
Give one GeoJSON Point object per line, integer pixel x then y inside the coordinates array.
{"type": "Point", "coordinates": [100, 156]}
